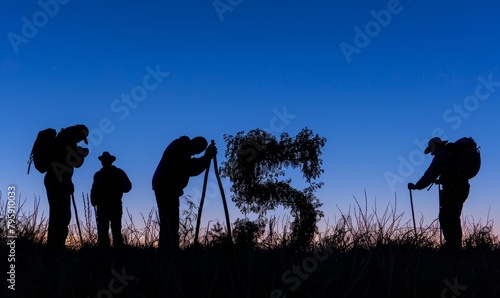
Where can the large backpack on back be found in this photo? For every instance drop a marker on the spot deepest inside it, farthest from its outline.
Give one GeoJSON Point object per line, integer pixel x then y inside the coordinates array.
{"type": "Point", "coordinates": [467, 156]}
{"type": "Point", "coordinates": [42, 153]}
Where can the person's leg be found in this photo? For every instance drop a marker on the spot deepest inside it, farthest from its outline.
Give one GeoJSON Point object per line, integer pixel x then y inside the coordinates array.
{"type": "Point", "coordinates": [65, 216]}
{"type": "Point", "coordinates": [452, 200]}
{"type": "Point", "coordinates": [102, 227]}
{"type": "Point", "coordinates": [162, 237]}
{"type": "Point", "coordinates": [59, 217]}
{"type": "Point", "coordinates": [168, 209]}
{"type": "Point", "coordinates": [173, 225]}
{"type": "Point", "coordinates": [53, 211]}
{"type": "Point", "coordinates": [116, 227]}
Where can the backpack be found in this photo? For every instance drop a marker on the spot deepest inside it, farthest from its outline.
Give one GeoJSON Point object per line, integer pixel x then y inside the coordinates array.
{"type": "Point", "coordinates": [467, 156]}
{"type": "Point", "coordinates": [42, 151]}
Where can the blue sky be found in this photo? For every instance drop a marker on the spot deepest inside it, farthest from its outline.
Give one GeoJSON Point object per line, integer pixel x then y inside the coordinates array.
{"type": "Point", "coordinates": [418, 69]}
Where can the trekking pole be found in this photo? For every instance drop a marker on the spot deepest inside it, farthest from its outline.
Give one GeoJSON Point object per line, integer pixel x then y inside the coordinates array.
{"type": "Point", "coordinates": [216, 169]}
{"type": "Point", "coordinates": [77, 221]}
{"type": "Point", "coordinates": [200, 208]}
{"type": "Point", "coordinates": [440, 231]}
{"type": "Point", "coordinates": [438, 183]}
{"type": "Point", "coordinates": [413, 214]}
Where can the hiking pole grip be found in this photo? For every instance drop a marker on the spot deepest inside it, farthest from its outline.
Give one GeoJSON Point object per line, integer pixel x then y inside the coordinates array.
{"type": "Point", "coordinates": [29, 164]}
{"type": "Point", "coordinates": [413, 214]}
{"type": "Point", "coordinates": [202, 200]}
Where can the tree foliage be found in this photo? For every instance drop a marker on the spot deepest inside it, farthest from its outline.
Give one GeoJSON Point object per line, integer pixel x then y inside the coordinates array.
{"type": "Point", "coordinates": [256, 165]}
{"type": "Point", "coordinates": [247, 232]}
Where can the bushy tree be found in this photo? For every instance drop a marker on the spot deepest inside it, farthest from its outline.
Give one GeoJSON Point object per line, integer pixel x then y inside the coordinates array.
{"type": "Point", "coordinates": [247, 232]}
{"type": "Point", "coordinates": [256, 165]}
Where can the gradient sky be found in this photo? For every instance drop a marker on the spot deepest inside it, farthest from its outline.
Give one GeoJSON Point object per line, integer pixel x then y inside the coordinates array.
{"type": "Point", "coordinates": [417, 69]}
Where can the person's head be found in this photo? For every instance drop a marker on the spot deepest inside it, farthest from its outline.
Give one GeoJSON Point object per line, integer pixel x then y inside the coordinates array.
{"type": "Point", "coordinates": [76, 133]}
{"type": "Point", "coordinates": [435, 145]}
{"type": "Point", "coordinates": [198, 145]}
{"type": "Point", "coordinates": [82, 133]}
{"type": "Point", "coordinates": [106, 159]}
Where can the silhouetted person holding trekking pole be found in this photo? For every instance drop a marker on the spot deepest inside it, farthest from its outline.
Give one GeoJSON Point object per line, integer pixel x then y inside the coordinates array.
{"type": "Point", "coordinates": [63, 155]}
{"type": "Point", "coordinates": [106, 195]}
{"type": "Point", "coordinates": [171, 177]}
{"type": "Point", "coordinates": [455, 188]}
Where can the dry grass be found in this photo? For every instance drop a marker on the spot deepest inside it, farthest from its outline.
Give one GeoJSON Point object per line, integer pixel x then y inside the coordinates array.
{"type": "Point", "coordinates": [362, 254]}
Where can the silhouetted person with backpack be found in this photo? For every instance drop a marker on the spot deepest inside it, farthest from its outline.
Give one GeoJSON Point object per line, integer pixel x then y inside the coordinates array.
{"type": "Point", "coordinates": [454, 192]}
{"type": "Point", "coordinates": [106, 194]}
{"type": "Point", "coordinates": [169, 180]}
{"type": "Point", "coordinates": [65, 155]}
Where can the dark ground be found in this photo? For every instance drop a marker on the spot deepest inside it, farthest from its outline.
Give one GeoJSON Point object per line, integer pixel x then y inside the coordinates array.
{"type": "Point", "coordinates": [227, 271]}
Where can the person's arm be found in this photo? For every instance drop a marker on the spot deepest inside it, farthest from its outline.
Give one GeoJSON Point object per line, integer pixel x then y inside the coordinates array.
{"type": "Point", "coordinates": [126, 184]}
{"type": "Point", "coordinates": [94, 190]}
{"type": "Point", "coordinates": [432, 173]}
{"type": "Point", "coordinates": [198, 165]}
{"type": "Point", "coordinates": [80, 154]}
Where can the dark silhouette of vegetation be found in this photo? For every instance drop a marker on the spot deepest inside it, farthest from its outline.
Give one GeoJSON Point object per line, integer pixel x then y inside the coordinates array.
{"type": "Point", "coordinates": [247, 233]}
{"type": "Point", "coordinates": [256, 165]}
{"type": "Point", "coordinates": [362, 254]}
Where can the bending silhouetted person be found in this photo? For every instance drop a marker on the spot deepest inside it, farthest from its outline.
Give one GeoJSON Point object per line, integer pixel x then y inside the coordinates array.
{"type": "Point", "coordinates": [106, 194]}
{"type": "Point", "coordinates": [455, 190]}
{"type": "Point", "coordinates": [169, 180]}
{"type": "Point", "coordinates": [66, 156]}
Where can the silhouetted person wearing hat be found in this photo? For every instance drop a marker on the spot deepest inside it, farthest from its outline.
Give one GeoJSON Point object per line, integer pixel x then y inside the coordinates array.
{"type": "Point", "coordinates": [169, 180]}
{"type": "Point", "coordinates": [106, 194]}
{"type": "Point", "coordinates": [65, 155]}
{"type": "Point", "coordinates": [454, 192]}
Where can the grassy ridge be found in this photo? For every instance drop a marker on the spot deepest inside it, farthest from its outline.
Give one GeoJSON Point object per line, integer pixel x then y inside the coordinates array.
{"type": "Point", "coordinates": [362, 255]}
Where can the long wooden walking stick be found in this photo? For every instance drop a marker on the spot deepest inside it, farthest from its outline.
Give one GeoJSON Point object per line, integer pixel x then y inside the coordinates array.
{"type": "Point", "coordinates": [77, 220]}
{"type": "Point", "coordinates": [413, 214]}
{"type": "Point", "coordinates": [216, 168]}
{"type": "Point", "coordinates": [224, 202]}
{"type": "Point", "coordinates": [200, 208]}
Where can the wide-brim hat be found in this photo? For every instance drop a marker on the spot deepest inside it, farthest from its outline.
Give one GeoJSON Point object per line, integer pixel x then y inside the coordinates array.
{"type": "Point", "coordinates": [433, 144]}
{"type": "Point", "coordinates": [106, 157]}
